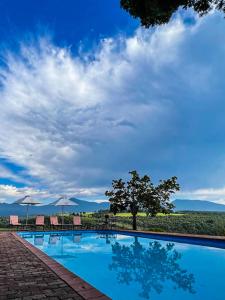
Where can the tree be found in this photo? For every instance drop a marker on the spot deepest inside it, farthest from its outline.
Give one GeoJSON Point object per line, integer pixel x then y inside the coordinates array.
{"type": "Point", "coordinates": [151, 267]}
{"type": "Point", "coordinates": [157, 12]}
{"type": "Point", "coordinates": [158, 199]}
{"type": "Point", "coordinates": [140, 194]}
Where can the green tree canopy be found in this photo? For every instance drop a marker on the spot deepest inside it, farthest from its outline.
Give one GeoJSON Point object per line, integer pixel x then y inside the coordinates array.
{"type": "Point", "coordinates": [157, 12]}
{"type": "Point", "coordinates": [140, 194]}
{"type": "Point", "coordinates": [150, 267]}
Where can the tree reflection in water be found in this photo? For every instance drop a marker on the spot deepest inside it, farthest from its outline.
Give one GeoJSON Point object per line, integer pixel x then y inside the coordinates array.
{"type": "Point", "coordinates": [157, 12]}
{"type": "Point", "coordinates": [150, 267]}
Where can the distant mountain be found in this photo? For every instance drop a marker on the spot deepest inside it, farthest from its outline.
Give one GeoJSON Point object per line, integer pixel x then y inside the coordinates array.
{"type": "Point", "coordinates": [20, 210]}
{"type": "Point", "coordinates": [85, 206]}
{"type": "Point", "coordinates": [197, 205]}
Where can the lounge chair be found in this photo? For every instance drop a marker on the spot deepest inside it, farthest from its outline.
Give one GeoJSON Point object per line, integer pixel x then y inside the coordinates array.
{"type": "Point", "coordinates": [77, 221]}
{"type": "Point", "coordinates": [14, 221]}
{"type": "Point", "coordinates": [54, 222]}
{"type": "Point", "coordinates": [40, 221]}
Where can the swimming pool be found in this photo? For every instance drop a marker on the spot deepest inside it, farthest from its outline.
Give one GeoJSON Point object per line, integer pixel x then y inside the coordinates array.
{"type": "Point", "coordinates": [135, 267]}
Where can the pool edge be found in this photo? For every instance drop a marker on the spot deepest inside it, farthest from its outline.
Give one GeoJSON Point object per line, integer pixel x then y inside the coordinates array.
{"type": "Point", "coordinates": [160, 233]}
{"type": "Point", "coordinates": [194, 239]}
{"type": "Point", "coordinates": [176, 234]}
{"type": "Point", "coordinates": [79, 285]}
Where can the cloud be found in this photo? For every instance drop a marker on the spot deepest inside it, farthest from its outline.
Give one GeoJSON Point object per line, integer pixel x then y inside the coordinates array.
{"type": "Point", "coordinates": [217, 195]}
{"type": "Point", "coordinates": [10, 193]}
{"type": "Point", "coordinates": [152, 102]}
{"type": "Point", "coordinates": [7, 173]}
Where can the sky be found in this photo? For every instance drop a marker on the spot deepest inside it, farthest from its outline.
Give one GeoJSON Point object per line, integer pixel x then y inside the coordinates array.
{"type": "Point", "coordinates": [87, 95]}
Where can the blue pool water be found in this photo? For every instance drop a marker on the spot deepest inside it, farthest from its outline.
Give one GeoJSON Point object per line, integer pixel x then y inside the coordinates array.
{"type": "Point", "coordinates": [135, 268]}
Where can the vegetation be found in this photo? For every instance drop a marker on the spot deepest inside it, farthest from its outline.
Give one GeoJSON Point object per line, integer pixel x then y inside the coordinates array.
{"type": "Point", "coordinates": [157, 12]}
{"type": "Point", "coordinates": [209, 223]}
{"type": "Point", "coordinates": [140, 194]}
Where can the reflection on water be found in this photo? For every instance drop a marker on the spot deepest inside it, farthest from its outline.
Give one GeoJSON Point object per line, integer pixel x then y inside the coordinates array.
{"type": "Point", "coordinates": [53, 239]}
{"type": "Point", "coordinates": [56, 239]}
{"type": "Point", "coordinates": [109, 237]}
{"type": "Point", "coordinates": [156, 12]}
{"type": "Point", "coordinates": [151, 267]}
{"type": "Point", "coordinates": [39, 239]}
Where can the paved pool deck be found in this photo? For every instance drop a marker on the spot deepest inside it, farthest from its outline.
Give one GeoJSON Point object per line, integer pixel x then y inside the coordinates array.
{"type": "Point", "coordinates": [27, 273]}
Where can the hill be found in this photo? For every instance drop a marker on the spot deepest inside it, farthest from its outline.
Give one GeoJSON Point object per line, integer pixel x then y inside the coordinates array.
{"type": "Point", "coordinates": [85, 206]}
{"type": "Point", "coordinates": [197, 205]}
{"type": "Point", "coordinates": [20, 210]}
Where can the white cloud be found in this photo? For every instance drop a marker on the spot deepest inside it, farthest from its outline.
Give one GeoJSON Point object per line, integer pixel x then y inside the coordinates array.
{"type": "Point", "coordinates": [7, 173]}
{"type": "Point", "coordinates": [101, 200]}
{"type": "Point", "coordinates": [59, 111]}
{"type": "Point", "coordinates": [215, 194]}
{"type": "Point", "coordinates": [9, 193]}
{"type": "Point", "coordinates": [144, 102]}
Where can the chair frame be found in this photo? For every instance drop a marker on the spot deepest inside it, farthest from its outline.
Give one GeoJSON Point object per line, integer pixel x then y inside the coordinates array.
{"type": "Point", "coordinates": [52, 222]}
{"type": "Point", "coordinates": [75, 223]}
{"type": "Point", "coordinates": [38, 220]}
{"type": "Point", "coordinates": [14, 223]}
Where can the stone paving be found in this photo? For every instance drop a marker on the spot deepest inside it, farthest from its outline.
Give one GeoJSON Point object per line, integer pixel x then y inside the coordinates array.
{"type": "Point", "coordinates": [23, 276]}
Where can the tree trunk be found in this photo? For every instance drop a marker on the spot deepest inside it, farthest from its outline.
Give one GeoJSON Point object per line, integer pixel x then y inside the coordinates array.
{"type": "Point", "coordinates": [134, 221]}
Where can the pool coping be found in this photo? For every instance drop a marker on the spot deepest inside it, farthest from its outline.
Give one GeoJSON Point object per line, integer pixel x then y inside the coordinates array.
{"type": "Point", "coordinates": [194, 239]}
{"type": "Point", "coordinates": [174, 234]}
{"type": "Point", "coordinates": [160, 233]}
{"type": "Point", "coordinates": [80, 286]}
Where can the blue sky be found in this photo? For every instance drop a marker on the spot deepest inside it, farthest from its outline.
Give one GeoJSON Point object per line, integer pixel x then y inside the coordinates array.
{"type": "Point", "coordinates": [69, 21]}
{"type": "Point", "coordinates": [87, 95]}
